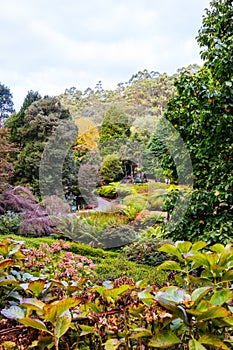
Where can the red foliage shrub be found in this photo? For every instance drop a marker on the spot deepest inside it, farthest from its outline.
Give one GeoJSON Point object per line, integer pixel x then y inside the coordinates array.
{"type": "Point", "coordinates": [35, 219]}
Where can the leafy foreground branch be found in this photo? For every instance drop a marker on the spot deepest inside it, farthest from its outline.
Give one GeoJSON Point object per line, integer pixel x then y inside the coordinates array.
{"type": "Point", "coordinates": [49, 301]}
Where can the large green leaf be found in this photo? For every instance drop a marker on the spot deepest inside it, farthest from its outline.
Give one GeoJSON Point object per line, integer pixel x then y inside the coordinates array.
{"type": "Point", "coordinates": [228, 320]}
{"type": "Point", "coordinates": [170, 249]}
{"type": "Point", "coordinates": [228, 276]}
{"type": "Point", "coordinates": [183, 246]}
{"type": "Point", "coordinates": [204, 305]}
{"type": "Point", "coordinates": [213, 260]}
{"type": "Point", "coordinates": [140, 333]}
{"type": "Point", "coordinates": [218, 248]}
{"type": "Point", "coordinates": [32, 303]}
{"type": "Point", "coordinates": [36, 287]}
{"type": "Point", "coordinates": [198, 245]}
{"type": "Point", "coordinates": [195, 345]}
{"type": "Point", "coordinates": [86, 330]}
{"type": "Point", "coordinates": [19, 255]}
{"type": "Point", "coordinates": [170, 265]}
{"type": "Point", "coordinates": [198, 293]}
{"type": "Point", "coordinates": [14, 312]}
{"type": "Point", "coordinates": [200, 259]}
{"type": "Point", "coordinates": [210, 339]}
{"type": "Point", "coordinates": [115, 292]}
{"type": "Point", "coordinates": [142, 283]}
{"type": "Point", "coordinates": [100, 290]}
{"type": "Point", "coordinates": [112, 344]}
{"type": "Point", "coordinates": [54, 310]}
{"type": "Point", "coordinates": [6, 263]}
{"type": "Point", "coordinates": [145, 295]}
{"type": "Point", "coordinates": [221, 297]}
{"type": "Point", "coordinates": [62, 324]}
{"type": "Point", "coordinates": [214, 312]}
{"type": "Point", "coordinates": [112, 292]}
{"type": "Point", "coordinates": [173, 298]}
{"type": "Point", "coordinates": [34, 323]}
{"type": "Point", "coordinates": [174, 294]}
{"type": "Point", "coordinates": [164, 339]}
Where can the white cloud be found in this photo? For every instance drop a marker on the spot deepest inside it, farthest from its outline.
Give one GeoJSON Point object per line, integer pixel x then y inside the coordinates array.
{"type": "Point", "coordinates": [51, 45]}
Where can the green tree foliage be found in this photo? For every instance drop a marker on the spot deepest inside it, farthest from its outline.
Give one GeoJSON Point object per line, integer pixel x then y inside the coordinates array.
{"type": "Point", "coordinates": [215, 39]}
{"type": "Point", "coordinates": [31, 97]}
{"type": "Point", "coordinates": [6, 151]}
{"type": "Point", "coordinates": [115, 125]}
{"type": "Point", "coordinates": [16, 121]}
{"type": "Point", "coordinates": [202, 112]}
{"type": "Point", "coordinates": [149, 91]}
{"type": "Point", "coordinates": [6, 103]}
{"type": "Point", "coordinates": [145, 93]}
{"type": "Point", "coordinates": [41, 118]}
{"type": "Point", "coordinates": [111, 169]}
{"type": "Point", "coordinates": [161, 155]}
{"type": "Point", "coordinates": [72, 99]}
{"type": "Point", "coordinates": [114, 134]}
{"type": "Point", "coordinates": [38, 122]}
{"type": "Point", "coordinates": [120, 114]}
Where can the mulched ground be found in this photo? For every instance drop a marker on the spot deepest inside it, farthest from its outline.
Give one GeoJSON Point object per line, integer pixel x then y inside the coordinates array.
{"type": "Point", "coordinates": [20, 335]}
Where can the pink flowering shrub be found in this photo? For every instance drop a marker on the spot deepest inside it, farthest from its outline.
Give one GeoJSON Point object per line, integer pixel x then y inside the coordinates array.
{"type": "Point", "coordinates": [73, 266]}
{"type": "Point", "coordinates": [56, 262]}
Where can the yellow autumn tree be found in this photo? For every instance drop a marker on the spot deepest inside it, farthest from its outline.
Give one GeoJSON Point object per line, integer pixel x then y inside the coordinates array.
{"type": "Point", "coordinates": [88, 136]}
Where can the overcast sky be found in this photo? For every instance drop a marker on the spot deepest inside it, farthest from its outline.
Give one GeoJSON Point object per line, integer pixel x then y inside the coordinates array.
{"type": "Point", "coordinates": [51, 45]}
